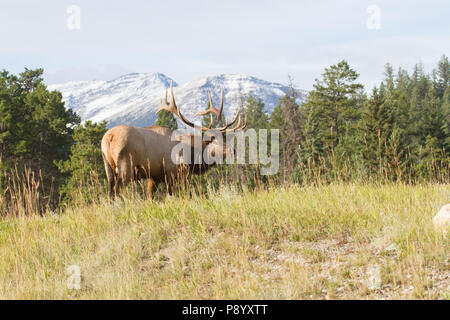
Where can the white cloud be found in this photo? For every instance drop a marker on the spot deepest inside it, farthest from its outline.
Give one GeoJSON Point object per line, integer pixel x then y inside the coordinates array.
{"type": "Point", "coordinates": [268, 39]}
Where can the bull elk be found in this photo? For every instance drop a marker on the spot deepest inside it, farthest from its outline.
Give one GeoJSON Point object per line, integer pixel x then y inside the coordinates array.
{"type": "Point", "coordinates": [134, 153]}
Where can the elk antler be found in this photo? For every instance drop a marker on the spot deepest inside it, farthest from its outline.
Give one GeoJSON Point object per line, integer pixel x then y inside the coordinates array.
{"type": "Point", "coordinates": [212, 109]}
{"type": "Point", "coordinates": [237, 127]}
{"type": "Point", "coordinates": [172, 107]}
{"type": "Point", "coordinates": [229, 123]}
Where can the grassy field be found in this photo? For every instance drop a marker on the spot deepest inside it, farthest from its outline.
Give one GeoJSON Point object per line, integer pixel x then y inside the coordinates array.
{"type": "Point", "coordinates": [328, 242]}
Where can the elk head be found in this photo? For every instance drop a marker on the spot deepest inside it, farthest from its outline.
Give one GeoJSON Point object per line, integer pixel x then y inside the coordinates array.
{"type": "Point", "coordinates": [213, 139]}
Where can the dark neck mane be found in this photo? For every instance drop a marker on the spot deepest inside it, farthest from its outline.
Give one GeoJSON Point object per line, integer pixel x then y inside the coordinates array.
{"type": "Point", "coordinates": [198, 168]}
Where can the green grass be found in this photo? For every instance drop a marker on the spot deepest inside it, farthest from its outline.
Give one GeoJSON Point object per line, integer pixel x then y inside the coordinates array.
{"type": "Point", "coordinates": [284, 243]}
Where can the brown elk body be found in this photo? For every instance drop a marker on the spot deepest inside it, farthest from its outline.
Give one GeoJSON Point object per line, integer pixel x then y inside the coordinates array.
{"type": "Point", "coordinates": [134, 153]}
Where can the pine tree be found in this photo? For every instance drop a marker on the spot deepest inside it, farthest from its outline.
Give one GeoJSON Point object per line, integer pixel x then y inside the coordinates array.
{"type": "Point", "coordinates": [377, 123]}
{"type": "Point", "coordinates": [337, 101]}
{"type": "Point", "coordinates": [276, 117]}
{"type": "Point", "coordinates": [85, 166]}
{"type": "Point", "coordinates": [35, 127]}
{"type": "Point", "coordinates": [276, 121]}
{"type": "Point", "coordinates": [443, 76]}
{"type": "Point", "coordinates": [446, 115]}
{"type": "Point", "coordinates": [433, 122]}
{"type": "Point", "coordinates": [396, 155]}
{"type": "Point", "coordinates": [166, 119]}
{"type": "Point", "coordinates": [389, 77]}
{"type": "Point", "coordinates": [291, 133]}
{"type": "Point", "coordinates": [256, 117]}
{"type": "Point", "coordinates": [431, 158]}
{"type": "Point", "coordinates": [312, 146]}
{"type": "Point", "coordinates": [420, 85]}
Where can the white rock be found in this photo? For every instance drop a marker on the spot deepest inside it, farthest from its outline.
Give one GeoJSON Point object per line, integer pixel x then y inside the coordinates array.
{"type": "Point", "coordinates": [441, 220]}
{"type": "Point", "coordinates": [373, 277]}
{"type": "Point", "coordinates": [392, 248]}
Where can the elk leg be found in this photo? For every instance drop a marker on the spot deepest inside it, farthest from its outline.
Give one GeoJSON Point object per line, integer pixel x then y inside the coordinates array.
{"type": "Point", "coordinates": [170, 182]}
{"type": "Point", "coordinates": [111, 185]}
{"type": "Point", "coordinates": [125, 171]}
{"type": "Point", "coordinates": [110, 176]}
{"type": "Point", "coordinates": [150, 186]}
{"type": "Point", "coordinates": [170, 188]}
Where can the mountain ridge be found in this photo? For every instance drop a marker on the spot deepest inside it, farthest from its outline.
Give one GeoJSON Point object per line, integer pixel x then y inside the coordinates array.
{"type": "Point", "coordinates": [134, 98]}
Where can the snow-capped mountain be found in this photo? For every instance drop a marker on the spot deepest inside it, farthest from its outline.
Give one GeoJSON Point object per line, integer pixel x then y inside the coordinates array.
{"type": "Point", "coordinates": [134, 98]}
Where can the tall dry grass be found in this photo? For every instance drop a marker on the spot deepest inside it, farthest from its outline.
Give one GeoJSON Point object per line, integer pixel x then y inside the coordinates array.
{"type": "Point", "coordinates": [23, 192]}
{"type": "Point", "coordinates": [288, 242]}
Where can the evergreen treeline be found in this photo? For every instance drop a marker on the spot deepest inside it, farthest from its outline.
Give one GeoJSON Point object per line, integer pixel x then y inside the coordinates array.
{"type": "Point", "coordinates": [399, 131]}
{"type": "Point", "coordinates": [35, 128]}
{"type": "Point", "coordinates": [43, 147]}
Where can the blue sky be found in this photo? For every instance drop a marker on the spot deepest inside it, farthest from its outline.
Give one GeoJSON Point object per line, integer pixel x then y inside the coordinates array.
{"type": "Point", "coordinates": [189, 39]}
